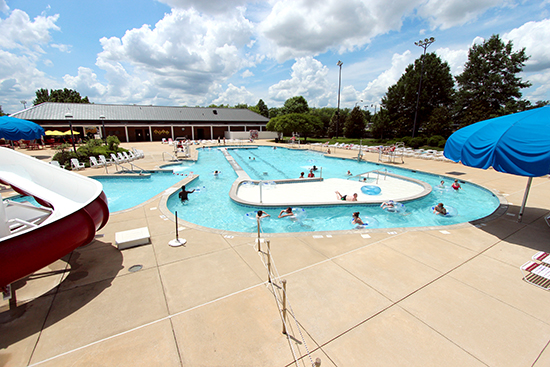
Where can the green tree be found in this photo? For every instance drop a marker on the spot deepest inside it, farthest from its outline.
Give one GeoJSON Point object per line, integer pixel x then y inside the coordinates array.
{"type": "Point", "coordinates": [489, 86]}
{"type": "Point", "coordinates": [301, 123]}
{"type": "Point", "coordinates": [439, 123]}
{"type": "Point", "coordinates": [2, 112]}
{"type": "Point", "coordinates": [380, 128]}
{"type": "Point", "coordinates": [354, 127]}
{"type": "Point", "coordinates": [400, 99]}
{"type": "Point", "coordinates": [59, 95]}
{"type": "Point", "coordinates": [325, 114]}
{"type": "Point", "coordinates": [262, 107]}
{"type": "Point", "coordinates": [295, 105]}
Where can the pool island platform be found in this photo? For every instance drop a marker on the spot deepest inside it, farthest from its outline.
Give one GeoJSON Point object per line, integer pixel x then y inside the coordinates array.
{"type": "Point", "coordinates": [445, 296]}
{"type": "Point", "coordinates": [313, 192]}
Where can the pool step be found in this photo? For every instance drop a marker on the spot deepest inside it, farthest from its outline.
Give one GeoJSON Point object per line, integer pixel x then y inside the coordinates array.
{"type": "Point", "coordinates": [132, 238]}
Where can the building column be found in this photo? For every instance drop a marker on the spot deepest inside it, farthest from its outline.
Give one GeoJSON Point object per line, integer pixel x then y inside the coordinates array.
{"type": "Point", "coordinates": [192, 132]}
{"type": "Point", "coordinates": [150, 133]}
{"type": "Point", "coordinates": [172, 132]}
{"type": "Point", "coordinates": [211, 132]}
{"type": "Point", "coordinates": [126, 131]}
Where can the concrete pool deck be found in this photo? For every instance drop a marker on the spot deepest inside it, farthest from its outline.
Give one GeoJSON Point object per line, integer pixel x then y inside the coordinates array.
{"type": "Point", "coordinates": [445, 296]}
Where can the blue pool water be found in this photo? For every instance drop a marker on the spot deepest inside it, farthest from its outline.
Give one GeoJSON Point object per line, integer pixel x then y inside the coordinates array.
{"type": "Point", "coordinates": [212, 207]}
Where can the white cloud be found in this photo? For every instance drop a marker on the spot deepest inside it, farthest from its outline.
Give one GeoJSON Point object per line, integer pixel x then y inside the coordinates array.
{"type": "Point", "coordinates": [297, 28]}
{"type": "Point", "coordinates": [247, 74]}
{"type": "Point", "coordinates": [308, 79]}
{"type": "Point", "coordinates": [450, 13]}
{"type": "Point", "coordinates": [376, 89]}
{"type": "Point", "coordinates": [19, 32]}
{"type": "Point", "coordinates": [535, 37]}
{"type": "Point", "coordinates": [183, 57]}
{"type": "Point", "coordinates": [455, 58]}
{"type": "Point", "coordinates": [62, 48]}
{"type": "Point", "coordinates": [4, 8]}
{"type": "Point", "coordinates": [85, 83]}
{"type": "Point", "coordinates": [541, 87]}
{"type": "Point", "coordinates": [206, 6]}
{"type": "Point", "coordinates": [234, 95]}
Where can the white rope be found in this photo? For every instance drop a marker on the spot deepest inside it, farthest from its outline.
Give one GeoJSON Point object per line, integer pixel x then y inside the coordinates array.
{"type": "Point", "coordinates": [276, 278]}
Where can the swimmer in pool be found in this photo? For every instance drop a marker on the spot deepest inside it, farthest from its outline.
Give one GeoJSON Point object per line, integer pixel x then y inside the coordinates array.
{"type": "Point", "coordinates": [216, 173]}
{"type": "Point", "coordinates": [345, 197]}
{"type": "Point", "coordinates": [261, 214]}
{"type": "Point", "coordinates": [301, 175]}
{"type": "Point", "coordinates": [310, 174]}
{"type": "Point", "coordinates": [183, 194]}
{"type": "Point", "coordinates": [349, 173]}
{"type": "Point", "coordinates": [439, 209]}
{"type": "Point", "coordinates": [456, 185]}
{"type": "Point", "coordinates": [314, 168]}
{"type": "Point", "coordinates": [286, 213]}
{"type": "Point", "coordinates": [356, 219]}
{"type": "Point", "coordinates": [442, 183]}
{"type": "Point", "coordinates": [388, 204]}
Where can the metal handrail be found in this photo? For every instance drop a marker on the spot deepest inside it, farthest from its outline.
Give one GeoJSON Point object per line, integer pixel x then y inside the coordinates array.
{"type": "Point", "coordinates": [173, 157]}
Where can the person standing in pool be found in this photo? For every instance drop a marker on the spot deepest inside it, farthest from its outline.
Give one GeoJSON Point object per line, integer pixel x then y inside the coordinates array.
{"type": "Point", "coordinates": [301, 175]}
{"type": "Point", "coordinates": [356, 219]}
{"type": "Point", "coordinates": [456, 185]}
{"type": "Point", "coordinates": [184, 194]}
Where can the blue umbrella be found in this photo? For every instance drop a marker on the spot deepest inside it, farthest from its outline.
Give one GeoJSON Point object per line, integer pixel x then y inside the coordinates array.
{"type": "Point", "coordinates": [12, 128]}
{"type": "Point", "coordinates": [518, 144]}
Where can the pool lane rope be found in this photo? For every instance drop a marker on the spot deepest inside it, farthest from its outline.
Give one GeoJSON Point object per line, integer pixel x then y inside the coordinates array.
{"type": "Point", "coordinates": [178, 241]}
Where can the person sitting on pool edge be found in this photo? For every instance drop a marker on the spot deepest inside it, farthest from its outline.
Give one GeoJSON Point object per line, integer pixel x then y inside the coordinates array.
{"type": "Point", "coordinates": [456, 185]}
{"type": "Point", "coordinates": [183, 194]}
{"type": "Point", "coordinates": [439, 209]}
{"type": "Point", "coordinates": [261, 214]}
{"type": "Point", "coordinates": [387, 204]}
{"type": "Point", "coordinates": [286, 213]}
{"type": "Point", "coordinates": [346, 197]}
{"type": "Point", "coordinates": [356, 219]}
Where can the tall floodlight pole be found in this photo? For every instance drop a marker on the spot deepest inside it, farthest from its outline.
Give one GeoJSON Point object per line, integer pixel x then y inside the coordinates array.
{"type": "Point", "coordinates": [69, 117]}
{"type": "Point", "coordinates": [339, 63]}
{"type": "Point", "coordinates": [102, 118]}
{"type": "Point", "coordinates": [424, 44]}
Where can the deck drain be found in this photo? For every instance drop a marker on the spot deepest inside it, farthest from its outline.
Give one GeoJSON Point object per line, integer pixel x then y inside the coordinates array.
{"type": "Point", "coordinates": [135, 268]}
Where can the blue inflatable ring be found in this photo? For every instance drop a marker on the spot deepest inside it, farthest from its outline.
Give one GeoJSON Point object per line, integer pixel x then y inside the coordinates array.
{"type": "Point", "coordinates": [370, 190]}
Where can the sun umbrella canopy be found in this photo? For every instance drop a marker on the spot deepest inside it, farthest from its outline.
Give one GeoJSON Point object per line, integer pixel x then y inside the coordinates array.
{"type": "Point", "coordinates": [518, 144]}
{"type": "Point", "coordinates": [68, 132]}
{"type": "Point", "coordinates": [12, 128]}
{"type": "Point", "coordinates": [53, 133]}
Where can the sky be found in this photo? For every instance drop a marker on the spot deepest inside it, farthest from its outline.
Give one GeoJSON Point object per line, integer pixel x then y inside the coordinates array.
{"type": "Point", "coordinates": [202, 52]}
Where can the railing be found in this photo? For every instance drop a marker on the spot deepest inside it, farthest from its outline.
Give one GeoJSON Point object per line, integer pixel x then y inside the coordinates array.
{"type": "Point", "coordinates": [173, 157]}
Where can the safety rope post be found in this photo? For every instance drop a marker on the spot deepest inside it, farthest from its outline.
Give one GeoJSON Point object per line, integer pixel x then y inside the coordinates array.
{"type": "Point", "coordinates": [317, 362]}
{"type": "Point", "coordinates": [268, 262]}
{"type": "Point", "coordinates": [284, 306]}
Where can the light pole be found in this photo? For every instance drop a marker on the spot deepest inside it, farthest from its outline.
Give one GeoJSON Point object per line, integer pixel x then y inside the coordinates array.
{"type": "Point", "coordinates": [102, 118]}
{"type": "Point", "coordinates": [24, 103]}
{"type": "Point", "coordinates": [424, 44]}
{"type": "Point", "coordinates": [339, 63]}
{"type": "Point", "coordinates": [69, 117]}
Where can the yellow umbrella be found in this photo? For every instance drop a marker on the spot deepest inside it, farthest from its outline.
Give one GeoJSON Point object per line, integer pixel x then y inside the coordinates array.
{"type": "Point", "coordinates": [53, 133]}
{"type": "Point", "coordinates": [68, 132]}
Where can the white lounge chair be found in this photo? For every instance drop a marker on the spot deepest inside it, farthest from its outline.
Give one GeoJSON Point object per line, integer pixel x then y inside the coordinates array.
{"type": "Point", "coordinates": [76, 165]}
{"type": "Point", "coordinates": [121, 158]}
{"type": "Point", "coordinates": [138, 153]}
{"type": "Point", "coordinates": [104, 160]}
{"type": "Point", "coordinates": [128, 158]}
{"type": "Point", "coordinates": [94, 163]}
{"type": "Point", "coordinates": [55, 163]}
{"type": "Point", "coordinates": [115, 159]}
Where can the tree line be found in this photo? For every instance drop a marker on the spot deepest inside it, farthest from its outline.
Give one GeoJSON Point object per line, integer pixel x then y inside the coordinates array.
{"type": "Point", "coordinates": [488, 87]}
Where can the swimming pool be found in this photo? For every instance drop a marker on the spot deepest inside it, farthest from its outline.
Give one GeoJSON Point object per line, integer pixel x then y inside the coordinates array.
{"type": "Point", "coordinates": [212, 207]}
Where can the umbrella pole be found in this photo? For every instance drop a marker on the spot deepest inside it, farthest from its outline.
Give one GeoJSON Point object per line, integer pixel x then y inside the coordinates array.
{"type": "Point", "coordinates": [520, 215]}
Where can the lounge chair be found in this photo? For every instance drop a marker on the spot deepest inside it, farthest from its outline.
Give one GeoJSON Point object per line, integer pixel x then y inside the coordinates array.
{"type": "Point", "coordinates": [128, 158]}
{"type": "Point", "coordinates": [121, 158]}
{"type": "Point", "coordinates": [55, 164]}
{"type": "Point", "coordinates": [115, 159]}
{"type": "Point", "coordinates": [104, 160]}
{"type": "Point", "coordinates": [138, 153]}
{"type": "Point", "coordinates": [94, 163]}
{"type": "Point", "coordinates": [537, 274]}
{"type": "Point", "coordinates": [76, 165]}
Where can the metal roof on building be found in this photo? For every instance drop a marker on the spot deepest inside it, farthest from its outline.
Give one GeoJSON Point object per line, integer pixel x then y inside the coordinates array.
{"type": "Point", "coordinates": [83, 111]}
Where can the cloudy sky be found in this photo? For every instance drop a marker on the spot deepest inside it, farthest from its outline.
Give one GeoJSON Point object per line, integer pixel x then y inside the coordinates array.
{"type": "Point", "coordinates": [198, 52]}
